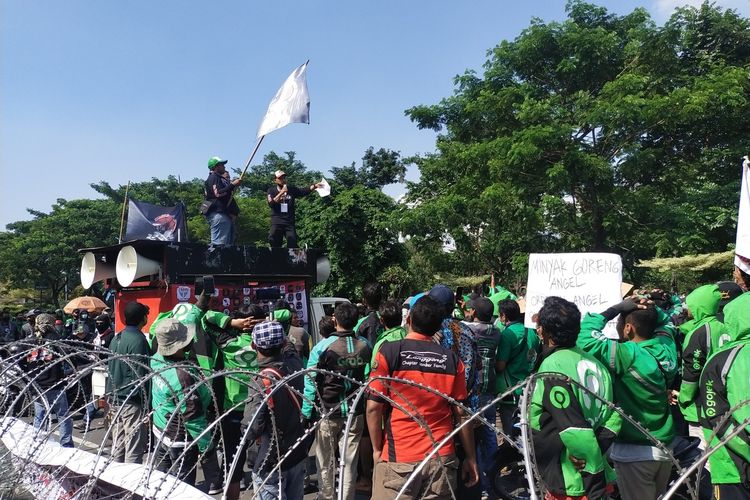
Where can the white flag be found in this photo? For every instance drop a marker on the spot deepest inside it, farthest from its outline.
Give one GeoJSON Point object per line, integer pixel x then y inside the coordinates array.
{"type": "Point", "coordinates": [291, 104]}
{"type": "Point", "coordinates": [742, 246]}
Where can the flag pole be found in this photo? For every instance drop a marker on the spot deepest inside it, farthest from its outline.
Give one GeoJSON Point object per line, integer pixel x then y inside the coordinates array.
{"type": "Point", "coordinates": [252, 155]}
{"type": "Point", "coordinates": [122, 219]}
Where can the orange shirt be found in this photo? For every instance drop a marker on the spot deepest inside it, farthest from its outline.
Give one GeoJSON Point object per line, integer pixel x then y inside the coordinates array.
{"type": "Point", "coordinates": [418, 359]}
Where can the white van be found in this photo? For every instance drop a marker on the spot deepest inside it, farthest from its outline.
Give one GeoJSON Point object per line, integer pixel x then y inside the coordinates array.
{"type": "Point", "coordinates": [319, 307]}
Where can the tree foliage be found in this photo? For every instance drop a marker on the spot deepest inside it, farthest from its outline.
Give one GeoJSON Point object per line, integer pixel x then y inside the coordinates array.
{"type": "Point", "coordinates": [42, 252]}
{"type": "Point", "coordinates": [598, 133]}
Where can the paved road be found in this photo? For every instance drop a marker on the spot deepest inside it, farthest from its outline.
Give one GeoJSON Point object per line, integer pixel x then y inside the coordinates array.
{"type": "Point", "coordinates": [91, 441]}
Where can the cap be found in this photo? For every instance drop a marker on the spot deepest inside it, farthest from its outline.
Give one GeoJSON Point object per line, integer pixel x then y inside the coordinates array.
{"type": "Point", "coordinates": [282, 315]}
{"type": "Point", "coordinates": [483, 308]}
{"type": "Point", "coordinates": [415, 298]}
{"type": "Point", "coordinates": [442, 294]}
{"type": "Point", "coordinates": [268, 335]}
{"type": "Point", "coordinates": [729, 291]}
{"type": "Point", "coordinates": [171, 336]}
{"type": "Point", "coordinates": [103, 317]}
{"type": "Point", "coordinates": [215, 160]}
{"type": "Point", "coordinates": [279, 173]}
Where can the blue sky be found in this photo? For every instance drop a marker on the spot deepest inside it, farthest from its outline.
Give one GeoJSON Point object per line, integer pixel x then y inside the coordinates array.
{"type": "Point", "coordinates": [102, 90]}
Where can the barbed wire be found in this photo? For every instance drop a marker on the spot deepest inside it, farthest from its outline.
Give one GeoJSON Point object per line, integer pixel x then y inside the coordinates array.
{"type": "Point", "coordinates": [33, 464]}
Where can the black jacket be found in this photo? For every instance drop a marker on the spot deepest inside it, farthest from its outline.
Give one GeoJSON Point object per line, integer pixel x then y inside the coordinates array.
{"type": "Point", "coordinates": [219, 189]}
{"type": "Point", "coordinates": [43, 361]}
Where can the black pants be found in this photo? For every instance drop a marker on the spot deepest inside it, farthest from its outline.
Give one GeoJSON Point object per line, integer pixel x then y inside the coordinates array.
{"type": "Point", "coordinates": [179, 462]}
{"type": "Point", "coordinates": [278, 231]}
{"type": "Point", "coordinates": [731, 492]}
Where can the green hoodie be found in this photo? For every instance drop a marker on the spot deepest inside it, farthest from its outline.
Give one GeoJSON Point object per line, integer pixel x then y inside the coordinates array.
{"type": "Point", "coordinates": [641, 372]}
{"type": "Point", "coordinates": [723, 385]}
{"type": "Point", "coordinates": [702, 338]}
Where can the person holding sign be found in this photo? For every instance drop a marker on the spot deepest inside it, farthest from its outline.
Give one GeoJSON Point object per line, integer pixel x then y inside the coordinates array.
{"type": "Point", "coordinates": [281, 198]}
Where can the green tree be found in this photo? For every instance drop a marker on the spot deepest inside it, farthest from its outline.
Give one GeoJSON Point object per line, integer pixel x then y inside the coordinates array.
{"type": "Point", "coordinates": [252, 223]}
{"type": "Point", "coordinates": [42, 252]}
{"type": "Point", "coordinates": [378, 168]}
{"type": "Point", "coordinates": [598, 133]}
{"type": "Point", "coordinates": [260, 177]}
{"type": "Point", "coordinates": [352, 227]}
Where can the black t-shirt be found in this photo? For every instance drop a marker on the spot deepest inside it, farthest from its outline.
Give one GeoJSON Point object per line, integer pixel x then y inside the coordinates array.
{"type": "Point", "coordinates": [278, 216]}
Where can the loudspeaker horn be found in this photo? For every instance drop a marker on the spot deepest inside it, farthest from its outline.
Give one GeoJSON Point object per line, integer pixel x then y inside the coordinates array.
{"type": "Point", "coordinates": [93, 270]}
{"type": "Point", "coordinates": [131, 265]}
{"type": "Point", "coordinates": [323, 269]}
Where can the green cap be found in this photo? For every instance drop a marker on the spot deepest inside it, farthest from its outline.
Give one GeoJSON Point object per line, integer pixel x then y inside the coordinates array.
{"type": "Point", "coordinates": [215, 160]}
{"type": "Point", "coordinates": [282, 315]}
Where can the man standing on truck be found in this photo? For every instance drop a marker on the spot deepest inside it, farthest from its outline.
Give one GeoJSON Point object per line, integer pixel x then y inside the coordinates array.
{"type": "Point", "coordinates": [281, 198]}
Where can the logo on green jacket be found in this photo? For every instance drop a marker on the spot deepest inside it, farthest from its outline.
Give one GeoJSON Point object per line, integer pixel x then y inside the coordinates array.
{"type": "Point", "coordinates": [559, 397]}
{"type": "Point", "coordinates": [710, 399]}
{"type": "Point", "coordinates": [697, 355]}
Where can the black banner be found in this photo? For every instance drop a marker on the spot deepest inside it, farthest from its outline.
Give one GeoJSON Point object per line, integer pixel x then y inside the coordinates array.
{"type": "Point", "coordinates": [152, 222]}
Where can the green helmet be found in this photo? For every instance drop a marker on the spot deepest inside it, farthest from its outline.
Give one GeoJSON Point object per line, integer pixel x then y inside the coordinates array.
{"type": "Point", "coordinates": [215, 160]}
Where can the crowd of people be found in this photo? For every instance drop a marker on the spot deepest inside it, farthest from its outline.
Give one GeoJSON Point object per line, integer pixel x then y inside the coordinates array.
{"type": "Point", "coordinates": [443, 379]}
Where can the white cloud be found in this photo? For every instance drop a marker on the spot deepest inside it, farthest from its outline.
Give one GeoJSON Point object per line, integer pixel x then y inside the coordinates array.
{"type": "Point", "coordinates": [664, 8]}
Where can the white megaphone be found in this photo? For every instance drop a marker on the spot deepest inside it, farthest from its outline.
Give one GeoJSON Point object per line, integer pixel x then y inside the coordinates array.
{"type": "Point", "coordinates": [93, 270]}
{"type": "Point", "coordinates": [130, 266]}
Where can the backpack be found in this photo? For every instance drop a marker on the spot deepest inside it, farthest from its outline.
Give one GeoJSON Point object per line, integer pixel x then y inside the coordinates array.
{"type": "Point", "coordinates": [486, 351]}
{"type": "Point", "coordinates": [288, 428]}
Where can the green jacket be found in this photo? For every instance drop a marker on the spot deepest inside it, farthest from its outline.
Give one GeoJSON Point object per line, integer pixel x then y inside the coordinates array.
{"type": "Point", "coordinates": [705, 335]}
{"type": "Point", "coordinates": [124, 376]}
{"type": "Point", "coordinates": [723, 385]}
{"type": "Point", "coordinates": [238, 355]}
{"type": "Point", "coordinates": [179, 414]}
{"type": "Point", "coordinates": [203, 326]}
{"type": "Point", "coordinates": [642, 373]}
{"type": "Point", "coordinates": [390, 335]}
{"type": "Point", "coordinates": [566, 420]}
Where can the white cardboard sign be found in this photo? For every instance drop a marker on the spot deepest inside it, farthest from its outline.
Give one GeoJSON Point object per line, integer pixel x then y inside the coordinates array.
{"type": "Point", "coordinates": [590, 280]}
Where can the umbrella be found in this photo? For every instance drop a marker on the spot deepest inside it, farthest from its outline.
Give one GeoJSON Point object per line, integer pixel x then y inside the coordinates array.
{"type": "Point", "coordinates": [91, 304]}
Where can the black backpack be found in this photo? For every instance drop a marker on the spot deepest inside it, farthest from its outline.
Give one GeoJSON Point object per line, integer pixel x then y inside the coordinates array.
{"type": "Point", "coordinates": [290, 431]}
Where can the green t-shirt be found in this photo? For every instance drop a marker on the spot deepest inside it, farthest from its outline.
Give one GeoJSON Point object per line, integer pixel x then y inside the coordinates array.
{"type": "Point", "coordinates": [518, 349]}
{"type": "Point", "coordinates": [390, 335]}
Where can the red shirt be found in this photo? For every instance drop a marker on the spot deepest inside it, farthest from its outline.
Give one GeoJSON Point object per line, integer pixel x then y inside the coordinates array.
{"type": "Point", "coordinates": [418, 359]}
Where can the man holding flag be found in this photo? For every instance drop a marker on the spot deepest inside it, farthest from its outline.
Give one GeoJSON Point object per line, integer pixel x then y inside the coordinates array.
{"type": "Point", "coordinates": [291, 104]}
{"type": "Point", "coordinates": [218, 194]}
